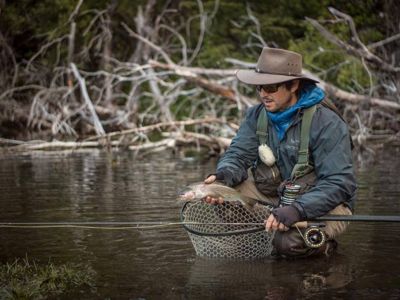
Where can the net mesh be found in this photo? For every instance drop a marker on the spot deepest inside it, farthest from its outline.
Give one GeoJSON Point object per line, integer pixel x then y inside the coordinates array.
{"type": "Point", "coordinates": [228, 230]}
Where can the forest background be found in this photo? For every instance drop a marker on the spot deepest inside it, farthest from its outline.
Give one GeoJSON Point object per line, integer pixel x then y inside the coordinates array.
{"type": "Point", "coordinates": [150, 75]}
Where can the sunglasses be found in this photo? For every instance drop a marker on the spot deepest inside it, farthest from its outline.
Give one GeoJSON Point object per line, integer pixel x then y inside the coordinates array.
{"type": "Point", "coordinates": [268, 88]}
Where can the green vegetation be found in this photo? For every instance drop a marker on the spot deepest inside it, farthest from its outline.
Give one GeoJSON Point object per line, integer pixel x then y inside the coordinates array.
{"type": "Point", "coordinates": [24, 279]}
{"type": "Point", "coordinates": [230, 32]}
{"type": "Point", "coordinates": [41, 97]}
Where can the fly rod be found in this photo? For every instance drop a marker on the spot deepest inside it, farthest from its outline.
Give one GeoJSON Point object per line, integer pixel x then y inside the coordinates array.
{"type": "Point", "coordinates": [359, 218]}
{"type": "Point", "coordinates": [343, 218]}
{"type": "Point", "coordinates": [350, 218]}
{"type": "Point", "coordinates": [313, 236]}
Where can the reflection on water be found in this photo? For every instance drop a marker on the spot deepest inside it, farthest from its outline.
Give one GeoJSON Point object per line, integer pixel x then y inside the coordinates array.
{"type": "Point", "coordinates": [149, 264]}
{"type": "Point", "coordinates": [226, 279]}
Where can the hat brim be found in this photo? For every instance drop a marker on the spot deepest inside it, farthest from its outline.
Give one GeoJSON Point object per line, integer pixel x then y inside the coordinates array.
{"type": "Point", "coordinates": [256, 78]}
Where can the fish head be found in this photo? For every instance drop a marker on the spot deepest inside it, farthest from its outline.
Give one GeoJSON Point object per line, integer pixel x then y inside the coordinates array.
{"type": "Point", "coordinates": [196, 191]}
{"type": "Point", "coordinates": [186, 195]}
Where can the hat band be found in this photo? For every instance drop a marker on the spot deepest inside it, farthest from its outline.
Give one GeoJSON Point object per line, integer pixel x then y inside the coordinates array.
{"type": "Point", "coordinates": [285, 74]}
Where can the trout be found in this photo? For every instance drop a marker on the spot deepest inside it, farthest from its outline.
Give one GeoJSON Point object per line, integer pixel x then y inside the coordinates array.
{"type": "Point", "coordinates": [198, 191]}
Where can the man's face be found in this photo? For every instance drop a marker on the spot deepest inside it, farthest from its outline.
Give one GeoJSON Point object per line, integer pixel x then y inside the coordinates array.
{"type": "Point", "coordinates": [277, 97]}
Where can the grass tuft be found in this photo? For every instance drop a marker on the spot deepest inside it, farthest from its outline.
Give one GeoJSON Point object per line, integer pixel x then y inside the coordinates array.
{"type": "Point", "coordinates": [25, 279]}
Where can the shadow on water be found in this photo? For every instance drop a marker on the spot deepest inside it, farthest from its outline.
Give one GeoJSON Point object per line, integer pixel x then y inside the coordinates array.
{"type": "Point", "coordinates": [161, 263]}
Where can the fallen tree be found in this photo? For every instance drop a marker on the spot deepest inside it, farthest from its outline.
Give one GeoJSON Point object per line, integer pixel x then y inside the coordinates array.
{"type": "Point", "coordinates": [153, 100]}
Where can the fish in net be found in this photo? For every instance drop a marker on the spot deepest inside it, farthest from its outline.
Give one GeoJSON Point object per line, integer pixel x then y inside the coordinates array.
{"type": "Point", "coordinates": [228, 230]}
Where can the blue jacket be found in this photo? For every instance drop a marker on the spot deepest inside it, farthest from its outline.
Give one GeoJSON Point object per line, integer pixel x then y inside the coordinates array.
{"type": "Point", "coordinates": [330, 152]}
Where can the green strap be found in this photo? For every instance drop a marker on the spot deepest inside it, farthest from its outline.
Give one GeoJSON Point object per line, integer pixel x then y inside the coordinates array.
{"type": "Point", "coordinates": [262, 127]}
{"type": "Point", "coordinates": [303, 167]}
{"type": "Point", "coordinates": [305, 134]}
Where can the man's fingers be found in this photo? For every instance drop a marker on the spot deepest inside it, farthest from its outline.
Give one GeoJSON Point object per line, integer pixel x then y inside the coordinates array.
{"type": "Point", "coordinates": [268, 222]}
{"type": "Point", "coordinates": [212, 200]}
{"type": "Point", "coordinates": [218, 200]}
{"type": "Point", "coordinates": [210, 179]}
{"type": "Point", "coordinates": [275, 224]}
{"type": "Point", "coordinates": [282, 227]}
{"type": "Point", "coordinates": [208, 199]}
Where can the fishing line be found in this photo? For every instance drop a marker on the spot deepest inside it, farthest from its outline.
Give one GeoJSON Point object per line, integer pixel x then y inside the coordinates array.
{"type": "Point", "coordinates": [114, 225]}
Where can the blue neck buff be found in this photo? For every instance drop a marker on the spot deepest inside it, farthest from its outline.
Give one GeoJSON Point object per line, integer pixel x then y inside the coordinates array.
{"type": "Point", "coordinates": [309, 96]}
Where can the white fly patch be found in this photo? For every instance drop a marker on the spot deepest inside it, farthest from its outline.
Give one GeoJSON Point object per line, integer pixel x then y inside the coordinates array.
{"type": "Point", "coordinates": [266, 155]}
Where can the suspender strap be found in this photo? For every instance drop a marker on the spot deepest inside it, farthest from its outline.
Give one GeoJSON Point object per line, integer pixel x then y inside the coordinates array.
{"type": "Point", "coordinates": [262, 127]}
{"type": "Point", "coordinates": [303, 167]}
{"type": "Point", "coordinates": [305, 134]}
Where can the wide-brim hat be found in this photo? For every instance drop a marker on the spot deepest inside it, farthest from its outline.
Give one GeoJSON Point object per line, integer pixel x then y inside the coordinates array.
{"type": "Point", "coordinates": [274, 66]}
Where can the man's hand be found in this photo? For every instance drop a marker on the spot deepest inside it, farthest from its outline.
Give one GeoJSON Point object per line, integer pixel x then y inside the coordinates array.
{"type": "Point", "coordinates": [209, 199]}
{"type": "Point", "coordinates": [210, 179]}
{"type": "Point", "coordinates": [273, 224]}
{"type": "Point", "coordinates": [213, 200]}
{"type": "Point", "coordinates": [282, 218]}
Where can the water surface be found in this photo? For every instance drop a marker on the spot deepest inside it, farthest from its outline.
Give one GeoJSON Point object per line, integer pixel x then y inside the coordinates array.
{"type": "Point", "coordinates": [161, 263]}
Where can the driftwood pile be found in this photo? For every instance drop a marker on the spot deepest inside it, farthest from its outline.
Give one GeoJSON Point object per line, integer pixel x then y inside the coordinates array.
{"type": "Point", "coordinates": [152, 102]}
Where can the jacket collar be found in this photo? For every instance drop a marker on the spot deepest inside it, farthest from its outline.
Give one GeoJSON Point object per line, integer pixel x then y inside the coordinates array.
{"type": "Point", "coordinates": [310, 95]}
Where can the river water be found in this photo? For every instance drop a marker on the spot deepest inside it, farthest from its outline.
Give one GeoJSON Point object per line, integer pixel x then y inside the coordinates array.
{"type": "Point", "coordinates": [161, 263]}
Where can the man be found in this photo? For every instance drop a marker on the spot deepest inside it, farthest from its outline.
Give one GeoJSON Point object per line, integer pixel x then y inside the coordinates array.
{"type": "Point", "coordinates": [286, 95]}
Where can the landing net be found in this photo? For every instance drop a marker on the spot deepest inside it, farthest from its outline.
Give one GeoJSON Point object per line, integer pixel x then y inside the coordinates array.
{"type": "Point", "coordinates": [228, 230]}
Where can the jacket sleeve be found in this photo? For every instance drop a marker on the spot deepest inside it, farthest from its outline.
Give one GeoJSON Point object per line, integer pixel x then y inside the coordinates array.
{"type": "Point", "coordinates": [331, 153]}
{"type": "Point", "coordinates": [242, 152]}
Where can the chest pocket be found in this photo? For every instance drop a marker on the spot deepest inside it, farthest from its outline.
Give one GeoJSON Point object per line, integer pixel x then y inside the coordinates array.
{"type": "Point", "coordinates": [289, 151]}
{"type": "Point", "coordinates": [267, 177]}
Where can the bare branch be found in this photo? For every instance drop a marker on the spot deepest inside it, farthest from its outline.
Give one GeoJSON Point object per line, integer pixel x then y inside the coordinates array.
{"type": "Point", "coordinates": [158, 126]}
{"type": "Point", "coordinates": [44, 48]}
{"type": "Point", "coordinates": [82, 84]}
{"type": "Point", "coordinates": [203, 20]}
{"type": "Point", "coordinates": [352, 26]}
{"type": "Point", "coordinates": [76, 10]}
{"type": "Point", "coordinates": [360, 53]}
{"type": "Point", "coordinates": [258, 35]}
{"type": "Point", "coordinates": [193, 71]}
{"type": "Point", "coordinates": [338, 93]}
{"type": "Point", "coordinates": [151, 44]}
{"type": "Point", "coordinates": [207, 84]}
{"type": "Point", "coordinates": [384, 41]}
{"type": "Point", "coordinates": [20, 88]}
{"type": "Point", "coordinates": [182, 41]}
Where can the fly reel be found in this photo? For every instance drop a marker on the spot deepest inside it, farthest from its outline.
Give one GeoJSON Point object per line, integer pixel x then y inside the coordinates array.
{"type": "Point", "coordinates": [314, 237]}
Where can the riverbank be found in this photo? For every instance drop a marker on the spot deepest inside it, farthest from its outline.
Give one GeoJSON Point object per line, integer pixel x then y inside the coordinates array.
{"type": "Point", "coordinates": [29, 279]}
